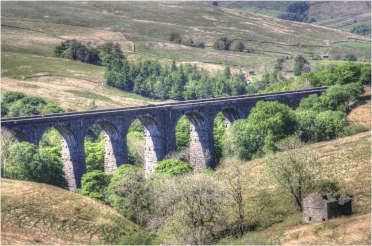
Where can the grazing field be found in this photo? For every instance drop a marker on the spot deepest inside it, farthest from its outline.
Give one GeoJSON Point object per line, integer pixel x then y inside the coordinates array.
{"type": "Point", "coordinates": [148, 25]}
{"type": "Point", "coordinates": [331, 20]}
{"type": "Point", "coordinates": [73, 94]}
{"type": "Point", "coordinates": [349, 27]}
{"type": "Point", "coordinates": [361, 46]}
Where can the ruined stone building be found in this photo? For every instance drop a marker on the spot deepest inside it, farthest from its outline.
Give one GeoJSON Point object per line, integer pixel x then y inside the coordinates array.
{"type": "Point", "coordinates": [319, 208]}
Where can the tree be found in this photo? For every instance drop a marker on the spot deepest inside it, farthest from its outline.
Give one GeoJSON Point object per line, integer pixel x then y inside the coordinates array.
{"type": "Point", "coordinates": [8, 140]}
{"type": "Point", "coordinates": [244, 140]}
{"type": "Point", "coordinates": [12, 96]}
{"type": "Point", "coordinates": [175, 37]}
{"type": "Point", "coordinates": [31, 164]}
{"type": "Point", "coordinates": [172, 167]}
{"type": "Point", "coordinates": [329, 124]}
{"type": "Point", "coordinates": [222, 44]}
{"type": "Point", "coordinates": [350, 57]}
{"type": "Point", "coordinates": [93, 184]}
{"type": "Point", "coordinates": [240, 46]}
{"type": "Point", "coordinates": [128, 195]}
{"type": "Point", "coordinates": [95, 155]}
{"type": "Point", "coordinates": [195, 207]}
{"type": "Point", "coordinates": [183, 134]}
{"type": "Point", "coordinates": [274, 120]}
{"type": "Point", "coordinates": [300, 61]}
{"type": "Point", "coordinates": [294, 169]}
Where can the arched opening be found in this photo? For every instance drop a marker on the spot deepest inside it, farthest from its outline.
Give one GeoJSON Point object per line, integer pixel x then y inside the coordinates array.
{"type": "Point", "coordinates": [145, 144]}
{"type": "Point", "coordinates": [104, 148]}
{"type": "Point", "coordinates": [62, 142]}
{"type": "Point", "coordinates": [194, 141]}
{"type": "Point", "coordinates": [221, 125]}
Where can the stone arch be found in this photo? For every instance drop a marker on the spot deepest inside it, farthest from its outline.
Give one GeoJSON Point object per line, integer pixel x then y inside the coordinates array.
{"type": "Point", "coordinates": [231, 115]}
{"type": "Point", "coordinates": [19, 136]}
{"type": "Point", "coordinates": [73, 156]}
{"type": "Point", "coordinates": [115, 145]}
{"type": "Point", "coordinates": [201, 141]}
{"type": "Point", "coordinates": [154, 145]}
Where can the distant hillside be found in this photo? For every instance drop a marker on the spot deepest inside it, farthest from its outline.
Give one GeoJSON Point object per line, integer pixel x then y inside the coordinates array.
{"type": "Point", "coordinates": [148, 25]}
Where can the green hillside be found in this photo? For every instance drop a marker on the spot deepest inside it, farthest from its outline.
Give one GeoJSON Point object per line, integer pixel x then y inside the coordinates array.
{"type": "Point", "coordinates": [148, 25]}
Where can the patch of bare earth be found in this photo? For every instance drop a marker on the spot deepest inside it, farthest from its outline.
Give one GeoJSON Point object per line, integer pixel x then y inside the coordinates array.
{"type": "Point", "coordinates": [361, 114]}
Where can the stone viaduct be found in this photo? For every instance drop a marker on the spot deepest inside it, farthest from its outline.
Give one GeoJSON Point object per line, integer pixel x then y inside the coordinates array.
{"type": "Point", "coordinates": [160, 122]}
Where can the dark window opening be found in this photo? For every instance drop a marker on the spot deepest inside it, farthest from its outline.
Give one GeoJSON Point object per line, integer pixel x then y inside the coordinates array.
{"type": "Point", "coordinates": [309, 218]}
{"type": "Point", "coordinates": [323, 219]}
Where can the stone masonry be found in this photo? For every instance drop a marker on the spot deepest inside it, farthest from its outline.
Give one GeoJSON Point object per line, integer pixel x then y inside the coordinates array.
{"type": "Point", "coordinates": [159, 121]}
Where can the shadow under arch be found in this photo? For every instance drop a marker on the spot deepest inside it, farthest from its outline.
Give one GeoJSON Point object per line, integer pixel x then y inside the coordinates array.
{"type": "Point", "coordinates": [196, 119]}
{"type": "Point", "coordinates": [17, 135]}
{"type": "Point", "coordinates": [154, 145]}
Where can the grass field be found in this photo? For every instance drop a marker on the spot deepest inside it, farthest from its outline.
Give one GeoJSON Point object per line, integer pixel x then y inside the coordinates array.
{"type": "Point", "coordinates": [34, 214]}
{"type": "Point", "coordinates": [362, 46]}
{"type": "Point", "coordinates": [348, 27]}
{"type": "Point", "coordinates": [148, 25]}
{"type": "Point", "coordinates": [73, 94]}
{"type": "Point", "coordinates": [331, 20]}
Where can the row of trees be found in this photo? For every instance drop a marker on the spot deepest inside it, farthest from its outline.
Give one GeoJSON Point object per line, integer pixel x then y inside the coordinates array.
{"type": "Point", "coordinates": [175, 37]}
{"type": "Point", "coordinates": [364, 30]}
{"type": "Point", "coordinates": [16, 104]}
{"type": "Point", "coordinates": [75, 50]}
{"type": "Point", "coordinates": [297, 12]}
{"type": "Point", "coordinates": [181, 83]}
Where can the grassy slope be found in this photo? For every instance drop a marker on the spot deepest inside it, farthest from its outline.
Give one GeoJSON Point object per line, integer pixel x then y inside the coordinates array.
{"type": "Point", "coordinates": [148, 24]}
{"type": "Point", "coordinates": [34, 213]}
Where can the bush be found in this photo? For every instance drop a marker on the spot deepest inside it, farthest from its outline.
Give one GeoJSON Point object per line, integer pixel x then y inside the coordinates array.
{"type": "Point", "coordinates": [93, 185]}
{"type": "Point", "coordinates": [222, 44]}
{"type": "Point", "coordinates": [350, 57]}
{"type": "Point", "coordinates": [353, 128]}
{"type": "Point", "coordinates": [325, 186]}
{"type": "Point", "coordinates": [170, 167]}
{"type": "Point", "coordinates": [32, 100]}
{"type": "Point", "coordinates": [12, 96]}
{"type": "Point", "coordinates": [175, 37]}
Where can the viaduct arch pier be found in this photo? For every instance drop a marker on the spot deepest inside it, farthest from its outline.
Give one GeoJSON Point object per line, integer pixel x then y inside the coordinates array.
{"type": "Point", "coordinates": [159, 121]}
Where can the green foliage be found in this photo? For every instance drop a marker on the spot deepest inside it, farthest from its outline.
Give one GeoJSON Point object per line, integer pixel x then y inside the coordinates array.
{"type": "Point", "coordinates": [95, 155]}
{"type": "Point", "coordinates": [329, 124]}
{"type": "Point", "coordinates": [172, 167]}
{"type": "Point", "coordinates": [175, 37]}
{"type": "Point", "coordinates": [350, 57]}
{"type": "Point", "coordinates": [138, 238]}
{"type": "Point", "coordinates": [12, 96]}
{"type": "Point", "coordinates": [32, 100]}
{"type": "Point", "coordinates": [365, 77]}
{"type": "Point", "coordinates": [240, 46]}
{"type": "Point", "coordinates": [219, 136]}
{"type": "Point", "coordinates": [183, 134]}
{"type": "Point", "coordinates": [243, 140]}
{"type": "Point", "coordinates": [300, 62]}
{"type": "Point", "coordinates": [353, 128]}
{"type": "Point", "coordinates": [222, 44]}
{"type": "Point", "coordinates": [363, 30]}
{"type": "Point", "coordinates": [325, 186]}
{"type": "Point", "coordinates": [93, 184]}
{"type": "Point", "coordinates": [127, 193]}
{"type": "Point", "coordinates": [31, 164]}
{"type": "Point", "coordinates": [58, 51]}
{"type": "Point", "coordinates": [274, 120]}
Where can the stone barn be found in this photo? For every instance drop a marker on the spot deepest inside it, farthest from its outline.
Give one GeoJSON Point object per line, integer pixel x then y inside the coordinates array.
{"type": "Point", "coordinates": [319, 208]}
{"type": "Point", "coordinates": [325, 56]}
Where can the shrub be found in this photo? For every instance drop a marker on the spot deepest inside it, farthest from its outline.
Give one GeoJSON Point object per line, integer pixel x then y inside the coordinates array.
{"type": "Point", "coordinates": [12, 96]}
{"type": "Point", "coordinates": [34, 101]}
{"type": "Point", "coordinates": [93, 184]}
{"type": "Point", "coordinates": [175, 37]}
{"type": "Point", "coordinates": [353, 128]}
{"type": "Point", "coordinates": [350, 57]}
{"type": "Point", "coordinates": [222, 44]}
{"type": "Point", "coordinates": [170, 167]}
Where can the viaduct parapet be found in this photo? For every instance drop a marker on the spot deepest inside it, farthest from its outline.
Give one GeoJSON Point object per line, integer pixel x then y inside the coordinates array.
{"type": "Point", "coordinates": [159, 121]}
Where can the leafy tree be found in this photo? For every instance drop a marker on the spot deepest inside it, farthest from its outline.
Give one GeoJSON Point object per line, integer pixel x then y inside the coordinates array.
{"type": "Point", "coordinates": [350, 57]}
{"type": "Point", "coordinates": [334, 97]}
{"type": "Point", "coordinates": [244, 140]}
{"type": "Point", "coordinates": [222, 44]}
{"type": "Point", "coordinates": [300, 62]}
{"type": "Point", "coordinates": [348, 73]}
{"type": "Point", "coordinates": [95, 155]}
{"type": "Point", "coordinates": [329, 124]}
{"type": "Point", "coordinates": [240, 46]}
{"type": "Point", "coordinates": [58, 51]}
{"type": "Point", "coordinates": [128, 195]}
{"type": "Point", "coordinates": [31, 164]}
{"type": "Point", "coordinates": [294, 169]}
{"type": "Point", "coordinates": [175, 37]}
{"type": "Point", "coordinates": [138, 238]}
{"type": "Point", "coordinates": [183, 134]}
{"type": "Point", "coordinates": [219, 136]}
{"type": "Point", "coordinates": [365, 77]}
{"type": "Point", "coordinates": [274, 120]}
{"type": "Point", "coordinates": [93, 185]}
{"type": "Point", "coordinates": [172, 167]}
{"type": "Point", "coordinates": [12, 96]}
{"type": "Point", "coordinates": [4, 110]}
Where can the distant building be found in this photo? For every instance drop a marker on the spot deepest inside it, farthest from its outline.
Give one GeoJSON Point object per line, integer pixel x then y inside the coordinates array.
{"type": "Point", "coordinates": [285, 57]}
{"type": "Point", "coordinates": [324, 56]}
{"type": "Point", "coordinates": [319, 208]}
{"type": "Point", "coordinates": [251, 72]}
